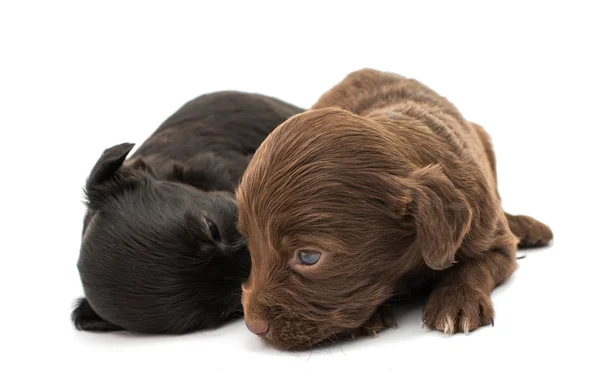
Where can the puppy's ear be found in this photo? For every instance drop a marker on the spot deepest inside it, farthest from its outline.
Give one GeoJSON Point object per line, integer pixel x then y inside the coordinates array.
{"type": "Point", "coordinates": [85, 318]}
{"type": "Point", "coordinates": [110, 161]}
{"type": "Point", "coordinates": [441, 214]}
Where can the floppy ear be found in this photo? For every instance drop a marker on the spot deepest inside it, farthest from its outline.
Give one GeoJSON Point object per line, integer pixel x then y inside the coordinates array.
{"type": "Point", "coordinates": [85, 318]}
{"type": "Point", "coordinates": [441, 214]}
{"type": "Point", "coordinates": [111, 159]}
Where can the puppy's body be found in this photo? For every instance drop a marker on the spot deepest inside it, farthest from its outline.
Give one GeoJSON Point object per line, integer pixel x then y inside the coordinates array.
{"type": "Point", "coordinates": [160, 252]}
{"type": "Point", "coordinates": [217, 132]}
{"type": "Point", "coordinates": [392, 187]}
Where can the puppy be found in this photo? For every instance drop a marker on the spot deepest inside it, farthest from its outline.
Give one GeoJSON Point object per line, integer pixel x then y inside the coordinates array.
{"type": "Point", "coordinates": [383, 187]}
{"type": "Point", "coordinates": [160, 252]}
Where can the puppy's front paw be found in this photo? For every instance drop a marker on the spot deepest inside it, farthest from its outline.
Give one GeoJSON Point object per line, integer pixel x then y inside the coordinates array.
{"type": "Point", "coordinates": [382, 319]}
{"type": "Point", "coordinates": [458, 308]}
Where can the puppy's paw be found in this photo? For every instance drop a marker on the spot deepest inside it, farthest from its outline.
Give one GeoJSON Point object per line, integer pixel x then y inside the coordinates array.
{"type": "Point", "coordinates": [458, 309]}
{"type": "Point", "coordinates": [531, 233]}
{"type": "Point", "coordinates": [382, 319]}
{"type": "Point", "coordinates": [85, 318]}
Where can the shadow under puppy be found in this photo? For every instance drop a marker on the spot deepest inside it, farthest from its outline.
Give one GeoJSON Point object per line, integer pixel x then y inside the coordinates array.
{"type": "Point", "coordinates": [160, 251]}
{"type": "Point", "coordinates": [382, 188]}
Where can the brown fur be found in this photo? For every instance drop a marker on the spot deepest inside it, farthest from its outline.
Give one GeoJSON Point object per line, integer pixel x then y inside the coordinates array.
{"type": "Point", "coordinates": [393, 186]}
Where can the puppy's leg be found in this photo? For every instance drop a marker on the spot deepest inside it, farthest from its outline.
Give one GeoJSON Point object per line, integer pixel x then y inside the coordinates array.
{"type": "Point", "coordinates": [461, 302]}
{"type": "Point", "coordinates": [531, 233]}
{"type": "Point", "coordinates": [85, 318]}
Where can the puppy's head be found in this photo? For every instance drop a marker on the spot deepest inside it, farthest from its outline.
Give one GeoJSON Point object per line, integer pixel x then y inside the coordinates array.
{"type": "Point", "coordinates": [156, 256]}
{"type": "Point", "coordinates": [333, 217]}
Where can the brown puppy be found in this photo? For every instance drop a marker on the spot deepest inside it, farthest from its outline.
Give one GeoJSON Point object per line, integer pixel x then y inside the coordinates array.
{"type": "Point", "coordinates": [345, 207]}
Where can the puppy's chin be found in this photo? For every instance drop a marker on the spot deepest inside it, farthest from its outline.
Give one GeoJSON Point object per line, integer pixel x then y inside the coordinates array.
{"type": "Point", "coordinates": [293, 340]}
{"type": "Point", "coordinates": [301, 334]}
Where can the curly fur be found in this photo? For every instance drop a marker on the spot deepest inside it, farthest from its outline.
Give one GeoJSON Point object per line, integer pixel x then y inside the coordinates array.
{"type": "Point", "coordinates": [396, 189]}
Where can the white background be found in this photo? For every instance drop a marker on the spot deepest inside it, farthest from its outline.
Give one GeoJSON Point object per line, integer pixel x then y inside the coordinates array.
{"type": "Point", "coordinates": [76, 78]}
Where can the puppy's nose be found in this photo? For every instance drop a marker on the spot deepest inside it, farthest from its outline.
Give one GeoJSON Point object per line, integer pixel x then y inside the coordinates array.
{"type": "Point", "coordinates": [257, 326]}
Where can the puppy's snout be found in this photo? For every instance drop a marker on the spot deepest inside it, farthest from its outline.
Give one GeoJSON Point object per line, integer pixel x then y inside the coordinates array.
{"type": "Point", "coordinates": [257, 326]}
{"type": "Point", "coordinates": [254, 324]}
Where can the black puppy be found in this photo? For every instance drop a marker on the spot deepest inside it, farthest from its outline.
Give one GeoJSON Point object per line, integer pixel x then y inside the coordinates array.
{"type": "Point", "coordinates": [160, 252]}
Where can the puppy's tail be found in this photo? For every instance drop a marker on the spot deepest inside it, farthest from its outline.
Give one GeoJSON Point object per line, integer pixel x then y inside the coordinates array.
{"type": "Point", "coordinates": [531, 233]}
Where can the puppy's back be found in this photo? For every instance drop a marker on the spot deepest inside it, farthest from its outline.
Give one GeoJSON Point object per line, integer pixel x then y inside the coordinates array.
{"type": "Point", "coordinates": [216, 134]}
{"type": "Point", "coordinates": [377, 94]}
{"type": "Point", "coordinates": [221, 123]}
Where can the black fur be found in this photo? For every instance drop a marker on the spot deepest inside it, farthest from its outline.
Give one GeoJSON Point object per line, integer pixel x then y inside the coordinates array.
{"type": "Point", "coordinates": [160, 252]}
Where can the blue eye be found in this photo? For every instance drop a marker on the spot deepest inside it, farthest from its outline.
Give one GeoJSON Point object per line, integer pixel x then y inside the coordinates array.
{"type": "Point", "coordinates": [309, 257]}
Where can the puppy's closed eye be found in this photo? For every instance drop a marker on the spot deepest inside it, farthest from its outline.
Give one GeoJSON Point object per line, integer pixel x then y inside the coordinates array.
{"type": "Point", "coordinates": [203, 228]}
{"type": "Point", "coordinates": [214, 230]}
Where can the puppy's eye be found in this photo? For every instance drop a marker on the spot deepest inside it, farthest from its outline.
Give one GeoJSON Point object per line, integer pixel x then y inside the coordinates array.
{"type": "Point", "coordinates": [308, 257]}
{"type": "Point", "coordinates": [214, 231]}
